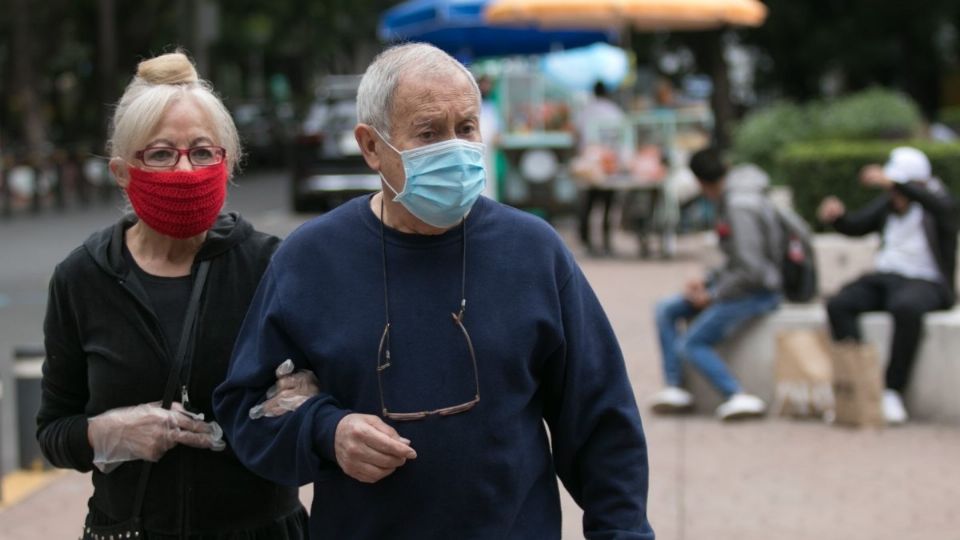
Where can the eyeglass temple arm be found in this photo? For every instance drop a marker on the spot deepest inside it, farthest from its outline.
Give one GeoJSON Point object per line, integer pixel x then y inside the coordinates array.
{"type": "Point", "coordinates": [386, 353]}
{"type": "Point", "coordinates": [458, 320]}
{"type": "Point", "coordinates": [458, 317]}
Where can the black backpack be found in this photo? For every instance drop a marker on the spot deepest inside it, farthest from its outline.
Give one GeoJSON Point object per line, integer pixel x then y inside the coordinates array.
{"type": "Point", "coordinates": [798, 266]}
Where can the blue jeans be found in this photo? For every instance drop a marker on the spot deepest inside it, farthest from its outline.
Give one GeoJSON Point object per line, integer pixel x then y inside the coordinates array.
{"type": "Point", "coordinates": [705, 329]}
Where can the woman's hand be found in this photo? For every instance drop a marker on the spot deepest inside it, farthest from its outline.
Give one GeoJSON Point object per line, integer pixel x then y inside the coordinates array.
{"type": "Point", "coordinates": [147, 432]}
{"type": "Point", "coordinates": [291, 390]}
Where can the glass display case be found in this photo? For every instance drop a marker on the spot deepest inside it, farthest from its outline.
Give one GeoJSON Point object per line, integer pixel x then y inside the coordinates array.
{"type": "Point", "coordinates": [537, 142]}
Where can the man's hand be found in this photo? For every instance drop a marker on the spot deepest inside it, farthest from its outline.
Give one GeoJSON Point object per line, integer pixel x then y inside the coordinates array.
{"type": "Point", "coordinates": [369, 450]}
{"type": "Point", "coordinates": [697, 294]}
{"type": "Point", "coordinates": [693, 287]}
{"type": "Point", "coordinates": [872, 176]}
{"type": "Point", "coordinates": [291, 390]}
{"type": "Point", "coordinates": [830, 210]}
{"type": "Point", "coordinates": [700, 299]}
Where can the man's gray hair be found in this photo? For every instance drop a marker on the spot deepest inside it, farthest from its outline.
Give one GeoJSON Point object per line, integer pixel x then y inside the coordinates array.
{"type": "Point", "coordinates": [379, 82]}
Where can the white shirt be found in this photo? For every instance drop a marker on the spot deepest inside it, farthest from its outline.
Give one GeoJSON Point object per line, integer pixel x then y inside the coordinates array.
{"type": "Point", "coordinates": [905, 248]}
{"type": "Point", "coordinates": [600, 113]}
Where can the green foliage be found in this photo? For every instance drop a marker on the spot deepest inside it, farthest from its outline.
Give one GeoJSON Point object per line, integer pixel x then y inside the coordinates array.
{"type": "Point", "coordinates": [872, 114]}
{"type": "Point", "coordinates": [763, 132]}
{"type": "Point", "coordinates": [814, 170]}
{"type": "Point", "coordinates": [867, 42]}
{"type": "Point", "coordinates": [950, 116]}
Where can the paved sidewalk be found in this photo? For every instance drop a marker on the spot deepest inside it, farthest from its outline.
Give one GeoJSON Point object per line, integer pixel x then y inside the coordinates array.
{"type": "Point", "coordinates": [770, 479]}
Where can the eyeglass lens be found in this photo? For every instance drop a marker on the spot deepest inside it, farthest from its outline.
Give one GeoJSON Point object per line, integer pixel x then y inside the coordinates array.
{"type": "Point", "coordinates": [199, 156]}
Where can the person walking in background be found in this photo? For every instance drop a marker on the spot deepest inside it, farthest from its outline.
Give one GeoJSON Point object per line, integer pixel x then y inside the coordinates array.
{"type": "Point", "coordinates": [748, 285]}
{"type": "Point", "coordinates": [140, 323]}
{"type": "Point", "coordinates": [595, 120]}
{"type": "Point", "coordinates": [913, 271]}
{"type": "Point", "coordinates": [433, 412]}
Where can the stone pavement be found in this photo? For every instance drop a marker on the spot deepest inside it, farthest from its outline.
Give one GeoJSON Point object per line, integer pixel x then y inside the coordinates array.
{"type": "Point", "coordinates": [771, 479]}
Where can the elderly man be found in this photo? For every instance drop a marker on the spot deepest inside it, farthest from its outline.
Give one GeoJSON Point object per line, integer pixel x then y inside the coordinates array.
{"type": "Point", "coordinates": [443, 328]}
{"type": "Point", "coordinates": [914, 269]}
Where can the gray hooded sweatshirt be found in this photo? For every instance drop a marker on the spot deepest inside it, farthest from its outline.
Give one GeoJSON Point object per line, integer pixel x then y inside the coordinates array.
{"type": "Point", "coordinates": [750, 236]}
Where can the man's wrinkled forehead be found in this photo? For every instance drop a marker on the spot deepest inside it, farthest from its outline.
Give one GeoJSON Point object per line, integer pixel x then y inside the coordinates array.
{"type": "Point", "coordinates": [420, 97]}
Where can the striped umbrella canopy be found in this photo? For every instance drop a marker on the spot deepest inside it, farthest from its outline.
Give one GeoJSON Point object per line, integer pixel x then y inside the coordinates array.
{"type": "Point", "coordinates": [640, 14]}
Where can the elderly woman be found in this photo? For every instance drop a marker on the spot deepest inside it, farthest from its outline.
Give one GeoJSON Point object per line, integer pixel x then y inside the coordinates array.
{"type": "Point", "coordinates": [140, 323]}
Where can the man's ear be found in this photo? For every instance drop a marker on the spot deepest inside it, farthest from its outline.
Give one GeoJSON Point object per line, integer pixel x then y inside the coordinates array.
{"type": "Point", "coordinates": [120, 172]}
{"type": "Point", "coordinates": [367, 139]}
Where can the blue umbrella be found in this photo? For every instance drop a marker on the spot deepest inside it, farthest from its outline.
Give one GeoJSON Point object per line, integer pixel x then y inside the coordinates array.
{"type": "Point", "coordinates": [457, 26]}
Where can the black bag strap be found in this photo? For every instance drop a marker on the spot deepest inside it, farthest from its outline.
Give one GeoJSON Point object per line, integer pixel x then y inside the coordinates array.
{"type": "Point", "coordinates": [182, 359]}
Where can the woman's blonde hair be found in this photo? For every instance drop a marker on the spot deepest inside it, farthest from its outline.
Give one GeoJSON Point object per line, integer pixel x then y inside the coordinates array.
{"type": "Point", "coordinates": [159, 82]}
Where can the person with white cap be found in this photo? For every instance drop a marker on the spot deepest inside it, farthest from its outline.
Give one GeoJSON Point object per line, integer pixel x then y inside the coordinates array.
{"type": "Point", "coordinates": [914, 269]}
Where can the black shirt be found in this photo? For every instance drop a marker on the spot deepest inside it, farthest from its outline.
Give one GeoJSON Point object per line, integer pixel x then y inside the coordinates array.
{"type": "Point", "coordinates": [168, 298]}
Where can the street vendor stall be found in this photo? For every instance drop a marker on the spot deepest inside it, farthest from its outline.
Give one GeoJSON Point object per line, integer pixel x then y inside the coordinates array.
{"type": "Point", "coordinates": [537, 141]}
{"type": "Point", "coordinates": [641, 161]}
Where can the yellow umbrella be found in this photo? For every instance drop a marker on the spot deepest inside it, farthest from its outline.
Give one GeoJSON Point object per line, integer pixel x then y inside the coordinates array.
{"type": "Point", "coordinates": [646, 15]}
{"type": "Point", "coordinates": [641, 14]}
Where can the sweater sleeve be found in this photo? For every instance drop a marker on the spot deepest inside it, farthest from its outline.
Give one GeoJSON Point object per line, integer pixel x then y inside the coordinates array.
{"type": "Point", "coordinates": [941, 204]}
{"type": "Point", "coordinates": [598, 443]}
{"type": "Point", "coordinates": [865, 220]}
{"type": "Point", "coordinates": [293, 449]}
{"type": "Point", "coordinates": [61, 420]}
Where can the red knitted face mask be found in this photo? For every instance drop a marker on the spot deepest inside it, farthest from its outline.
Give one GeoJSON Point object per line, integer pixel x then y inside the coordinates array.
{"type": "Point", "coordinates": [180, 204]}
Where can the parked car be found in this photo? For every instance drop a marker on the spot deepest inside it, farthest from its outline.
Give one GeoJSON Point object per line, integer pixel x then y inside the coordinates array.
{"type": "Point", "coordinates": [265, 131]}
{"type": "Point", "coordinates": [328, 166]}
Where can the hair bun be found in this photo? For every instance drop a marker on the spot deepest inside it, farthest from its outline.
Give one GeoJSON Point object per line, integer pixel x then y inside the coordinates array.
{"type": "Point", "coordinates": [172, 68]}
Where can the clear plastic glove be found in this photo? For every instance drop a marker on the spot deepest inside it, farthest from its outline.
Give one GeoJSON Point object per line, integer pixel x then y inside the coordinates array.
{"type": "Point", "coordinates": [147, 432]}
{"type": "Point", "coordinates": [291, 390]}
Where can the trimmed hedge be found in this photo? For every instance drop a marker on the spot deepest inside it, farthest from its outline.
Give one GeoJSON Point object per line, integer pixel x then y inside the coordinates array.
{"type": "Point", "coordinates": [873, 114]}
{"type": "Point", "coordinates": [814, 170]}
{"type": "Point", "coordinates": [950, 116]}
{"type": "Point", "coordinates": [763, 132]}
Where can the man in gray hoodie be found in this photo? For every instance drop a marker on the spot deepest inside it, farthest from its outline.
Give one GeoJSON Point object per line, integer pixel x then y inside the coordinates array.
{"type": "Point", "coordinates": [746, 286]}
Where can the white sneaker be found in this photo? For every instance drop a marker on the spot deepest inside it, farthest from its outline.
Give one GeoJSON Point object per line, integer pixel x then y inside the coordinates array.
{"type": "Point", "coordinates": [741, 406]}
{"type": "Point", "coordinates": [893, 409]}
{"type": "Point", "coordinates": [671, 399]}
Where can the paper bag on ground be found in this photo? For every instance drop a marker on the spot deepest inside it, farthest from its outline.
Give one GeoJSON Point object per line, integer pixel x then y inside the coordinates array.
{"type": "Point", "coordinates": [804, 374]}
{"type": "Point", "coordinates": [857, 385]}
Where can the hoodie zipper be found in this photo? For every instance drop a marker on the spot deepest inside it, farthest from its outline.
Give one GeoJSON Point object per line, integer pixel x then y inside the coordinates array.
{"type": "Point", "coordinates": [185, 400]}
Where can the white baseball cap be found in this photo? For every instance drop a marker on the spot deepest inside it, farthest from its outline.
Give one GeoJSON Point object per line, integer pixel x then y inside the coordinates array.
{"type": "Point", "coordinates": [906, 164]}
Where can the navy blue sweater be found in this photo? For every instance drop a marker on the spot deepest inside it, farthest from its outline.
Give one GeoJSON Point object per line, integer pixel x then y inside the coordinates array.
{"type": "Point", "coordinates": [544, 348]}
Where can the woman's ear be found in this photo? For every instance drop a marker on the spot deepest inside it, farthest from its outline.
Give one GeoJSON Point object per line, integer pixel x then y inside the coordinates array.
{"type": "Point", "coordinates": [118, 168]}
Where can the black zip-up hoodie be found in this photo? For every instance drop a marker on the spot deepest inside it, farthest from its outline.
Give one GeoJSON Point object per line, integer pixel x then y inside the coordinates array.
{"type": "Point", "coordinates": [941, 222]}
{"type": "Point", "coordinates": [105, 349]}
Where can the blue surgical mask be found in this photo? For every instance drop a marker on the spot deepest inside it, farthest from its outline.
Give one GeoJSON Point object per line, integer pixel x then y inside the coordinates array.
{"type": "Point", "coordinates": [443, 180]}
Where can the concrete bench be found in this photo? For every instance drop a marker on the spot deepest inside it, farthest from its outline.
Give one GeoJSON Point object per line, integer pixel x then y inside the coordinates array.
{"type": "Point", "coordinates": [934, 391]}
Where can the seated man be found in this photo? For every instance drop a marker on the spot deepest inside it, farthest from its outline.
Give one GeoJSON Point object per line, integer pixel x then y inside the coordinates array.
{"type": "Point", "coordinates": [914, 270]}
{"type": "Point", "coordinates": [433, 413]}
{"type": "Point", "coordinates": [747, 285]}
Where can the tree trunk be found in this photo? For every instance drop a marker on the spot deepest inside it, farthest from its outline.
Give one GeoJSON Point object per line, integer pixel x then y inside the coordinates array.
{"type": "Point", "coordinates": [24, 82]}
{"type": "Point", "coordinates": [107, 63]}
{"type": "Point", "coordinates": [708, 50]}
